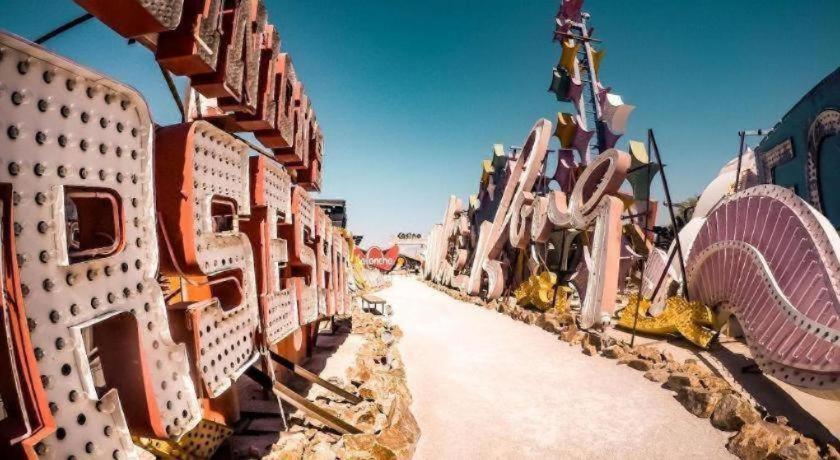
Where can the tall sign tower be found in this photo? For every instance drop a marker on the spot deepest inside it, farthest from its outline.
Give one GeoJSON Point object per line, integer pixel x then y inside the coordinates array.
{"type": "Point", "coordinates": [600, 116]}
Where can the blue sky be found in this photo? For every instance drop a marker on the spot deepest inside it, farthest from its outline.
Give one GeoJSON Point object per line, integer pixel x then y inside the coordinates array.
{"type": "Point", "coordinates": [412, 94]}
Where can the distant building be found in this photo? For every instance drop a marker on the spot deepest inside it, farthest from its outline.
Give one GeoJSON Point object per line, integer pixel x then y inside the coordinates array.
{"type": "Point", "coordinates": [336, 209]}
{"type": "Point", "coordinates": [802, 152]}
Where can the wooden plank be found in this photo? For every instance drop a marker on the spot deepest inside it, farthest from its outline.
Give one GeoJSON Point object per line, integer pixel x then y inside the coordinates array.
{"type": "Point", "coordinates": [324, 416]}
{"type": "Point", "coordinates": [315, 378]}
{"type": "Point", "coordinates": [299, 402]}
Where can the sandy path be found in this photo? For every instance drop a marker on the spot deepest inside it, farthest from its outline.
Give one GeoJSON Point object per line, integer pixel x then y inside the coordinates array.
{"type": "Point", "coordinates": [486, 386]}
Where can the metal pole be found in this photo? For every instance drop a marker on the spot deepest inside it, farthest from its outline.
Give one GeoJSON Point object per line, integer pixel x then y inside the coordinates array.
{"type": "Point", "coordinates": [671, 213]}
{"type": "Point", "coordinates": [63, 28]}
{"type": "Point", "coordinates": [742, 134]}
{"type": "Point", "coordinates": [174, 91]}
{"type": "Point", "coordinates": [642, 273]}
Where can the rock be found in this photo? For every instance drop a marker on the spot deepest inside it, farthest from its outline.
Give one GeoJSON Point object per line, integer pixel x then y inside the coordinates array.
{"type": "Point", "coordinates": [365, 447]}
{"type": "Point", "coordinates": [380, 422]}
{"type": "Point", "coordinates": [289, 446]}
{"type": "Point", "coordinates": [591, 343]}
{"type": "Point", "coordinates": [600, 340]}
{"type": "Point", "coordinates": [805, 449]}
{"type": "Point", "coordinates": [359, 373]}
{"type": "Point", "coordinates": [402, 433]}
{"type": "Point", "coordinates": [572, 335]}
{"type": "Point", "coordinates": [327, 437]}
{"type": "Point", "coordinates": [383, 384]}
{"type": "Point", "coordinates": [626, 358]}
{"type": "Point", "coordinates": [763, 439]}
{"type": "Point", "coordinates": [673, 366]}
{"type": "Point", "coordinates": [321, 451]}
{"type": "Point", "coordinates": [714, 383]}
{"type": "Point", "coordinates": [733, 412]}
{"type": "Point", "coordinates": [650, 354]}
{"type": "Point", "coordinates": [640, 364]}
{"type": "Point", "coordinates": [613, 352]}
{"type": "Point", "coordinates": [778, 419]}
{"type": "Point", "coordinates": [679, 380]}
{"type": "Point", "coordinates": [831, 453]}
{"type": "Point", "coordinates": [396, 332]}
{"type": "Point", "coordinates": [691, 367]}
{"type": "Point", "coordinates": [530, 317]}
{"type": "Point", "coordinates": [552, 323]}
{"type": "Point", "coordinates": [657, 375]}
{"type": "Point", "coordinates": [699, 401]}
{"type": "Point", "coordinates": [363, 416]}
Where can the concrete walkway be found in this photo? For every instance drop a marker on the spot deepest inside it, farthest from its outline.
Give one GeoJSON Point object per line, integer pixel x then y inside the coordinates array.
{"type": "Point", "coordinates": [486, 386]}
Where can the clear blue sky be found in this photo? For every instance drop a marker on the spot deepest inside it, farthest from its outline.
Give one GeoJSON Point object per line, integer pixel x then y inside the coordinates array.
{"type": "Point", "coordinates": [412, 94]}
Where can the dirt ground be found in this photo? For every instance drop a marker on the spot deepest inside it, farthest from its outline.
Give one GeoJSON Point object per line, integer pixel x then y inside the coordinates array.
{"type": "Point", "coordinates": [486, 386]}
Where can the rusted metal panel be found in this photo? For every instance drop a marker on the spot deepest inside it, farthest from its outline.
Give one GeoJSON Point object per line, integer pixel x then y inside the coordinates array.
{"type": "Point", "coordinates": [310, 176]}
{"type": "Point", "coordinates": [301, 273]}
{"type": "Point", "coordinates": [255, 25]}
{"type": "Point", "coordinates": [270, 208]}
{"type": "Point", "coordinates": [203, 190]}
{"type": "Point", "coordinates": [77, 156]}
{"type": "Point", "coordinates": [265, 117]}
{"type": "Point", "coordinates": [281, 133]}
{"type": "Point", "coordinates": [24, 413]}
{"type": "Point", "coordinates": [294, 156]}
{"type": "Point", "coordinates": [193, 47]}
{"type": "Point", "coordinates": [132, 18]}
{"type": "Point", "coordinates": [227, 80]}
